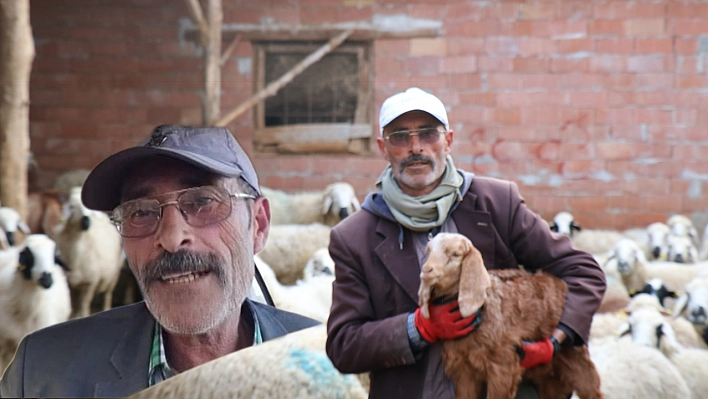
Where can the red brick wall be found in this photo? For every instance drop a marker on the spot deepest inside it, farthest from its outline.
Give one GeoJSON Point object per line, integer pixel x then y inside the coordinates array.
{"type": "Point", "coordinates": [595, 107]}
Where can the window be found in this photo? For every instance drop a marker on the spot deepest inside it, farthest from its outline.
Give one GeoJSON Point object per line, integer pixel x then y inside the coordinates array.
{"type": "Point", "coordinates": [324, 109]}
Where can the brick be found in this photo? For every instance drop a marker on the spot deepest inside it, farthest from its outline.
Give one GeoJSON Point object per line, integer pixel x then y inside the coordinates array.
{"type": "Point", "coordinates": [582, 81]}
{"type": "Point", "coordinates": [428, 47]}
{"type": "Point", "coordinates": [495, 64]}
{"type": "Point", "coordinates": [685, 46]}
{"type": "Point", "coordinates": [561, 65]}
{"type": "Point", "coordinates": [464, 46]}
{"type": "Point", "coordinates": [654, 81]}
{"type": "Point", "coordinates": [654, 116]}
{"type": "Point", "coordinates": [602, 27]}
{"type": "Point", "coordinates": [594, 203]}
{"type": "Point", "coordinates": [536, 116]}
{"type": "Point", "coordinates": [423, 65]}
{"type": "Point", "coordinates": [654, 45]}
{"type": "Point", "coordinates": [685, 10]}
{"type": "Point", "coordinates": [545, 82]}
{"type": "Point", "coordinates": [588, 99]}
{"type": "Point", "coordinates": [458, 64]}
{"type": "Point", "coordinates": [664, 203]}
{"type": "Point", "coordinates": [627, 10]}
{"type": "Point", "coordinates": [572, 151]}
{"type": "Point", "coordinates": [687, 27]}
{"type": "Point", "coordinates": [501, 45]}
{"type": "Point", "coordinates": [615, 116]}
{"type": "Point", "coordinates": [608, 63]}
{"type": "Point", "coordinates": [685, 117]}
{"type": "Point", "coordinates": [503, 116]}
{"type": "Point", "coordinates": [481, 99]}
{"type": "Point", "coordinates": [503, 81]}
{"type": "Point", "coordinates": [645, 27]}
{"type": "Point", "coordinates": [537, 11]}
{"type": "Point", "coordinates": [691, 81]}
{"type": "Point", "coordinates": [462, 81]}
{"type": "Point", "coordinates": [537, 46]}
{"type": "Point", "coordinates": [531, 64]}
{"type": "Point", "coordinates": [645, 64]}
{"type": "Point", "coordinates": [468, 28]}
{"type": "Point", "coordinates": [575, 45]}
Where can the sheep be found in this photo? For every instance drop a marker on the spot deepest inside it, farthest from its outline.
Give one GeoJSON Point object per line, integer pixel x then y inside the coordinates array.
{"type": "Point", "coordinates": [636, 271]}
{"type": "Point", "coordinates": [311, 297]}
{"type": "Point", "coordinates": [70, 179]}
{"type": "Point", "coordinates": [616, 296]}
{"type": "Point", "coordinates": [630, 371]}
{"type": "Point", "coordinates": [649, 328]}
{"type": "Point", "coordinates": [506, 302]}
{"type": "Point", "coordinates": [655, 287]}
{"type": "Point", "coordinates": [290, 246]}
{"type": "Point", "coordinates": [564, 223]}
{"type": "Point", "coordinates": [682, 226]}
{"type": "Point", "coordinates": [91, 246]}
{"type": "Point", "coordinates": [10, 223]}
{"type": "Point", "coordinates": [294, 366]}
{"type": "Point", "coordinates": [693, 303]}
{"type": "Point", "coordinates": [657, 232]}
{"type": "Point", "coordinates": [45, 210]}
{"type": "Point", "coordinates": [33, 292]}
{"type": "Point", "coordinates": [681, 249]}
{"type": "Point", "coordinates": [329, 206]}
{"type": "Point", "coordinates": [703, 251]}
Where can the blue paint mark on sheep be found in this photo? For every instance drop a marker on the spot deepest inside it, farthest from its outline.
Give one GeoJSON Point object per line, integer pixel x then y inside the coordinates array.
{"type": "Point", "coordinates": [318, 366]}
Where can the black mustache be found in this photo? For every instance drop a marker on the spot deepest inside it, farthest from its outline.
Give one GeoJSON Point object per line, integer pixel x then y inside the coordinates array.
{"type": "Point", "coordinates": [183, 262]}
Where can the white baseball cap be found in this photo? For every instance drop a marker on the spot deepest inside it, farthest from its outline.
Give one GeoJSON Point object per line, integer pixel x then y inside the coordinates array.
{"type": "Point", "coordinates": [413, 99]}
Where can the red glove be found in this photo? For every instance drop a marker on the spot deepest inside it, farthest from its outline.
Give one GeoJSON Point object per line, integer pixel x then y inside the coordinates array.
{"type": "Point", "coordinates": [533, 353]}
{"type": "Point", "coordinates": [445, 322]}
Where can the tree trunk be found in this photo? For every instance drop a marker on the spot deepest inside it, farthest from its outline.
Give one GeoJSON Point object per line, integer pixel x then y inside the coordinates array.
{"type": "Point", "coordinates": [16, 56]}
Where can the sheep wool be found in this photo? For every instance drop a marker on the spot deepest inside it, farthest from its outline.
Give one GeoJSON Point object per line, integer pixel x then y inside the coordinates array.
{"type": "Point", "coordinates": [291, 367]}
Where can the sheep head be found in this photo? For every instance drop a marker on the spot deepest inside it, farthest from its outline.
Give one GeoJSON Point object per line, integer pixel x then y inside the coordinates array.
{"type": "Point", "coordinates": [694, 302]}
{"type": "Point", "coordinates": [340, 199]}
{"type": "Point", "coordinates": [564, 223]}
{"type": "Point", "coordinates": [454, 267]}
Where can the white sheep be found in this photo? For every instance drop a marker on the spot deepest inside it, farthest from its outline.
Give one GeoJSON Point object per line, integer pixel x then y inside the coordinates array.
{"type": "Point", "coordinates": [682, 329]}
{"type": "Point", "coordinates": [656, 288]}
{"type": "Point", "coordinates": [693, 303]}
{"type": "Point", "coordinates": [649, 328]}
{"type": "Point", "coordinates": [564, 223]}
{"type": "Point", "coordinates": [703, 250]}
{"type": "Point", "coordinates": [630, 371]}
{"type": "Point", "coordinates": [10, 223]}
{"type": "Point", "coordinates": [294, 366]}
{"type": "Point", "coordinates": [328, 206]}
{"type": "Point", "coordinates": [290, 246]}
{"type": "Point", "coordinates": [33, 292]}
{"type": "Point", "coordinates": [636, 271]}
{"type": "Point", "coordinates": [681, 249]}
{"type": "Point", "coordinates": [656, 247]}
{"type": "Point", "coordinates": [91, 246]}
{"type": "Point", "coordinates": [311, 297]}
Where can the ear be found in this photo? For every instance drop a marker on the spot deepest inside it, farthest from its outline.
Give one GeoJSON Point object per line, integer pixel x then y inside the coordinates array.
{"type": "Point", "coordinates": [23, 227]}
{"type": "Point", "coordinates": [670, 343]}
{"type": "Point", "coordinates": [423, 298]}
{"type": "Point", "coordinates": [680, 305]}
{"type": "Point", "coordinates": [260, 223]}
{"type": "Point", "coordinates": [355, 204]}
{"type": "Point", "coordinates": [553, 226]}
{"type": "Point", "coordinates": [326, 204]}
{"type": "Point", "coordinates": [624, 329]}
{"type": "Point", "coordinates": [575, 226]}
{"type": "Point", "coordinates": [474, 282]}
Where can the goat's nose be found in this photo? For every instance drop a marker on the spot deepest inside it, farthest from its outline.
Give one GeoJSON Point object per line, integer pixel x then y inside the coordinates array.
{"type": "Point", "coordinates": [344, 212]}
{"type": "Point", "coordinates": [656, 252]}
{"type": "Point", "coordinates": [46, 280]}
{"type": "Point", "coordinates": [85, 223]}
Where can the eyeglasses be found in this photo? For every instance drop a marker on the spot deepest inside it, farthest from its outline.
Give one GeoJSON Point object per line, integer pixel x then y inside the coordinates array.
{"type": "Point", "coordinates": [428, 135]}
{"type": "Point", "coordinates": [200, 206]}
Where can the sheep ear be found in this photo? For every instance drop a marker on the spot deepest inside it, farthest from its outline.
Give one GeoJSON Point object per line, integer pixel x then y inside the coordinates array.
{"type": "Point", "coordinates": [575, 226]}
{"type": "Point", "coordinates": [680, 305]}
{"type": "Point", "coordinates": [474, 282]}
{"type": "Point", "coordinates": [553, 226]}
{"type": "Point", "coordinates": [624, 329]}
{"type": "Point", "coordinates": [326, 204]}
{"type": "Point", "coordinates": [23, 227]}
{"type": "Point", "coordinates": [670, 343]}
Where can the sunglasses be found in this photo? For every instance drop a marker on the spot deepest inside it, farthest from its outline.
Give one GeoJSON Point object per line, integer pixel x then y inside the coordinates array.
{"type": "Point", "coordinates": [200, 206]}
{"type": "Point", "coordinates": [428, 135]}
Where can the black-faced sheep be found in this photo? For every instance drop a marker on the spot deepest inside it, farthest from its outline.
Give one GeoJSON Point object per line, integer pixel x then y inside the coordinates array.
{"type": "Point", "coordinates": [33, 292]}
{"type": "Point", "coordinates": [10, 224]}
{"type": "Point", "coordinates": [328, 206]}
{"type": "Point", "coordinates": [294, 367]}
{"type": "Point", "coordinates": [515, 306]}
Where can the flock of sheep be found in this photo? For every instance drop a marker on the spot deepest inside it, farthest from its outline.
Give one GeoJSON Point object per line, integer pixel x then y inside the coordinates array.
{"type": "Point", "coordinates": [648, 339]}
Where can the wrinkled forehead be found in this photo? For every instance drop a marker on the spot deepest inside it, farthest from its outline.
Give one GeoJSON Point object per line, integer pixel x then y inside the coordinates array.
{"type": "Point", "coordinates": [162, 174]}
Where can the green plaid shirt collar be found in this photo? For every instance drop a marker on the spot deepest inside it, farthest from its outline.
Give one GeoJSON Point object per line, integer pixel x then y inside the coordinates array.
{"type": "Point", "coordinates": [159, 370]}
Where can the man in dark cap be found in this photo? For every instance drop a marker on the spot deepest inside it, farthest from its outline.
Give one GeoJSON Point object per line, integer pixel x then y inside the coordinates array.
{"type": "Point", "coordinates": [188, 206]}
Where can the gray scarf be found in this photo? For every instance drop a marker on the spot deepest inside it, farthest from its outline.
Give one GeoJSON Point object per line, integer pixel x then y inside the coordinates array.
{"type": "Point", "coordinates": [426, 211]}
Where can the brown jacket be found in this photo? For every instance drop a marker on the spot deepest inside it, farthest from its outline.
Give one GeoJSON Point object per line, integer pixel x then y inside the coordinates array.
{"type": "Point", "coordinates": [377, 281]}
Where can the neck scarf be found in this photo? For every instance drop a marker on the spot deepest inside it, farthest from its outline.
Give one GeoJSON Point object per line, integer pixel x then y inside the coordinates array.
{"type": "Point", "coordinates": [426, 211]}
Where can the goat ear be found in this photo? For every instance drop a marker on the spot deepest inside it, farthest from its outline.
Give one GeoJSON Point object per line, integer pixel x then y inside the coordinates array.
{"type": "Point", "coordinates": [474, 281]}
{"type": "Point", "coordinates": [680, 305]}
{"type": "Point", "coordinates": [575, 226]}
{"type": "Point", "coordinates": [423, 297]}
{"type": "Point", "coordinates": [326, 204]}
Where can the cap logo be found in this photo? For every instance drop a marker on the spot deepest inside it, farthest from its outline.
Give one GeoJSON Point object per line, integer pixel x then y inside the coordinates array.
{"type": "Point", "coordinates": [158, 137]}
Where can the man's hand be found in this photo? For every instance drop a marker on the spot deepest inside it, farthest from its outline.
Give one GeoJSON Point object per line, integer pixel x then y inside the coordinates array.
{"type": "Point", "coordinates": [533, 353]}
{"type": "Point", "coordinates": [445, 322]}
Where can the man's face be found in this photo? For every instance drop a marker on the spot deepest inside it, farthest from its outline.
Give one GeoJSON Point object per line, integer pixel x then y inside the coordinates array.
{"type": "Point", "coordinates": [417, 167]}
{"type": "Point", "coordinates": [193, 278]}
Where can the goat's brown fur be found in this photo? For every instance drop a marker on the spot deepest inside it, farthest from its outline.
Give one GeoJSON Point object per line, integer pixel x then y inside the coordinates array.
{"type": "Point", "coordinates": [517, 306]}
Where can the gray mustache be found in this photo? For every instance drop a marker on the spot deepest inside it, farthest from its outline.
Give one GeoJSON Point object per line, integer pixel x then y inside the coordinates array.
{"type": "Point", "coordinates": [183, 262]}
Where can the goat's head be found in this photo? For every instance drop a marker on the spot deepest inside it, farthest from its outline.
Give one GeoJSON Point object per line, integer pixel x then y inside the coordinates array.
{"type": "Point", "coordinates": [693, 303]}
{"type": "Point", "coordinates": [340, 200]}
{"type": "Point", "coordinates": [454, 267]}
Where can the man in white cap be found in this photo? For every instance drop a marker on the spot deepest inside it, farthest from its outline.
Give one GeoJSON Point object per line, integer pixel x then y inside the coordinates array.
{"type": "Point", "coordinates": [188, 206]}
{"type": "Point", "coordinates": [375, 323]}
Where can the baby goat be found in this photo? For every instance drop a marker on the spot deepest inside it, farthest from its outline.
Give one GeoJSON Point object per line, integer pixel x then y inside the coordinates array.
{"type": "Point", "coordinates": [516, 306]}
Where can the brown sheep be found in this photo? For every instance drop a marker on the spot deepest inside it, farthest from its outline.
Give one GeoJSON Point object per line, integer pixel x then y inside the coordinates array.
{"type": "Point", "coordinates": [517, 306]}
